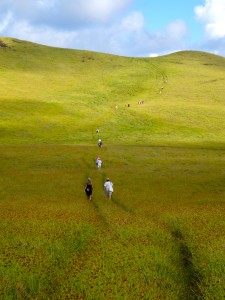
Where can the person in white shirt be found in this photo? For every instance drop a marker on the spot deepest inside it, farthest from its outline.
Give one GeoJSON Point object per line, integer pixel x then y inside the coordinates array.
{"type": "Point", "coordinates": [99, 163]}
{"type": "Point", "coordinates": [97, 158]}
{"type": "Point", "coordinates": [108, 187]}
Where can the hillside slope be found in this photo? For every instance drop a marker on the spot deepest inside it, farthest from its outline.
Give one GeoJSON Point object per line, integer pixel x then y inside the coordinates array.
{"type": "Point", "coordinates": [161, 236]}
{"type": "Point", "coordinates": [52, 95]}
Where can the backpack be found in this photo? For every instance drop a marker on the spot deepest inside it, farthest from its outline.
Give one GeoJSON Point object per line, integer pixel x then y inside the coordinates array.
{"type": "Point", "coordinates": [88, 188]}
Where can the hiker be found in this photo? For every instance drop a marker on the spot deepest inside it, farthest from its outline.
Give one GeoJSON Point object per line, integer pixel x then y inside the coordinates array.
{"type": "Point", "coordinates": [108, 187]}
{"type": "Point", "coordinates": [99, 163]}
{"type": "Point", "coordinates": [88, 188]}
{"type": "Point", "coordinates": [97, 131]}
{"type": "Point", "coordinates": [100, 143]}
{"type": "Point", "coordinates": [97, 158]}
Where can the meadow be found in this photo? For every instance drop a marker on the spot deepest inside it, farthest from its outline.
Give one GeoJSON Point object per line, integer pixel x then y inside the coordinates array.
{"type": "Point", "coordinates": [162, 234]}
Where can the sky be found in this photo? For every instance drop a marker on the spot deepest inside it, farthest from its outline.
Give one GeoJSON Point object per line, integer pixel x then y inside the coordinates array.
{"type": "Point", "coordinates": [134, 28]}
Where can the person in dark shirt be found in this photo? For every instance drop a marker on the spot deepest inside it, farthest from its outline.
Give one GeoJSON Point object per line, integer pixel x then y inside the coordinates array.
{"type": "Point", "coordinates": [88, 188]}
{"type": "Point", "coordinates": [100, 143]}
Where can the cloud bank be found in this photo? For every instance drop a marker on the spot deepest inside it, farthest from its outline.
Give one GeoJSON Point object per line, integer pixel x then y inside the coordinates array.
{"type": "Point", "coordinates": [110, 26]}
{"type": "Point", "coordinates": [212, 16]}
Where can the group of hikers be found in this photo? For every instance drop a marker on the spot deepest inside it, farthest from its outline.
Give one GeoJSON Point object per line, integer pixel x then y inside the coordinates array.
{"type": "Point", "coordinates": [108, 188]}
{"type": "Point", "coordinates": [108, 185]}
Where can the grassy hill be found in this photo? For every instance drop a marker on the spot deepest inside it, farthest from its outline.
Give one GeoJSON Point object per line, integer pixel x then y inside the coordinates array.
{"type": "Point", "coordinates": [162, 234]}
{"type": "Point", "coordinates": [51, 95]}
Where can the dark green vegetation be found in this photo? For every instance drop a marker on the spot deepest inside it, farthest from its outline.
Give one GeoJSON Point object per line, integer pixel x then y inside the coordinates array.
{"type": "Point", "coordinates": [162, 236]}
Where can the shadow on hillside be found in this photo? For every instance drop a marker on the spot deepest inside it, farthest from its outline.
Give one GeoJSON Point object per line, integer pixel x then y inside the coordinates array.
{"type": "Point", "coordinates": [193, 277]}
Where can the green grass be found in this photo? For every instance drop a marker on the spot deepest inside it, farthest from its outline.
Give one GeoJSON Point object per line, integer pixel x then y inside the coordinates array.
{"type": "Point", "coordinates": [59, 96]}
{"type": "Point", "coordinates": [162, 235]}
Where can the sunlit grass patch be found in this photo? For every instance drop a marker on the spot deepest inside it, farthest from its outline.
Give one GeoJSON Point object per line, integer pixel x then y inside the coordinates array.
{"type": "Point", "coordinates": [59, 96]}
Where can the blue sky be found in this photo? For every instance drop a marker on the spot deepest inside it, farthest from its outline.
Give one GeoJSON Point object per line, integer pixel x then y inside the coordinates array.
{"type": "Point", "coordinates": [122, 27]}
{"type": "Point", "coordinates": [158, 14]}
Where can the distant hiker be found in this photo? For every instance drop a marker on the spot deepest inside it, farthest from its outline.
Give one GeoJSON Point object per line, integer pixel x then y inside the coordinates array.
{"type": "Point", "coordinates": [97, 158]}
{"type": "Point", "coordinates": [128, 105]}
{"type": "Point", "coordinates": [99, 163]}
{"type": "Point", "coordinates": [108, 187]}
{"type": "Point", "coordinates": [97, 131]}
{"type": "Point", "coordinates": [100, 143]}
{"type": "Point", "coordinates": [116, 107]}
{"type": "Point", "coordinates": [88, 188]}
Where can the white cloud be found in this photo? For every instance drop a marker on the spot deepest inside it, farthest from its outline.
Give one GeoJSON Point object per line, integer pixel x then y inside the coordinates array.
{"type": "Point", "coordinates": [133, 22]}
{"type": "Point", "coordinates": [5, 22]}
{"type": "Point", "coordinates": [153, 54]}
{"type": "Point", "coordinates": [66, 13]}
{"type": "Point", "coordinates": [102, 10]}
{"type": "Point", "coordinates": [212, 14]}
{"type": "Point", "coordinates": [42, 34]}
{"type": "Point", "coordinates": [177, 30]}
{"type": "Point", "coordinates": [103, 26]}
{"type": "Point", "coordinates": [127, 37]}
